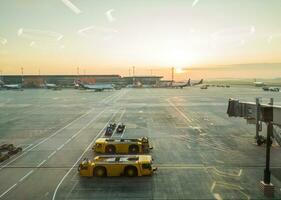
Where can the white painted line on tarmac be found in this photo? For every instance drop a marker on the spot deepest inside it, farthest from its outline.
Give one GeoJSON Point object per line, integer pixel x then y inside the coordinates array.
{"type": "Point", "coordinates": [221, 173]}
{"type": "Point", "coordinates": [213, 186]}
{"type": "Point", "coordinates": [47, 138]}
{"type": "Point", "coordinates": [123, 132]}
{"type": "Point", "coordinates": [15, 157]}
{"type": "Point", "coordinates": [67, 141]}
{"type": "Point", "coordinates": [25, 176]}
{"type": "Point", "coordinates": [217, 196]}
{"type": "Point", "coordinates": [49, 156]}
{"type": "Point", "coordinates": [114, 130]}
{"type": "Point", "coordinates": [8, 190]}
{"type": "Point", "coordinates": [92, 142]}
{"type": "Point", "coordinates": [40, 164]}
{"type": "Point", "coordinates": [61, 146]}
{"type": "Point", "coordinates": [27, 147]}
{"type": "Point", "coordinates": [121, 116]}
{"type": "Point", "coordinates": [240, 172]}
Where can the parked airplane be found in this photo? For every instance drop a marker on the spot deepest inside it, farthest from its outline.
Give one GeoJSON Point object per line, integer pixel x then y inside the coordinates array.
{"type": "Point", "coordinates": [187, 84]}
{"type": "Point", "coordinates": [10, 86]}
{"type": "Point", "coordinates": [258, 83]}
{"type": "Point", "coordinates": [98, 87]}
{"type": "Point", "coordinates": [51, 86]}
{"type": "Point", "coordinates": [199, 83]}
{"type": "Point", "coordinates": [180, 84]}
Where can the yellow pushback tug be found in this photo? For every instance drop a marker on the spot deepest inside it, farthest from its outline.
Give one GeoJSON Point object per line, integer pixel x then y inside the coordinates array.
{"type": "Point", "coordinates": [117, 165]}
{"type": "Point", "coordinates": [122, 146]}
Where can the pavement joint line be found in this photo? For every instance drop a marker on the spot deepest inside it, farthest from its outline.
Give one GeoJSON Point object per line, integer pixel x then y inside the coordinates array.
{"type": "Point", "coordinates": [10, 188]}
{"type": "Point", "coordinates": [25, 176]}
{"type": "Point", "coordinates": [53, 153]}
{"type": "Point", "coordinates": [41, 163]}
{"type": "Point", "coordinates": [92, 142]}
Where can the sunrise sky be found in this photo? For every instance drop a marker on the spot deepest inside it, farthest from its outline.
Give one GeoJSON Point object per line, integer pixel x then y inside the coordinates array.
{"type": "Point", "coordinates": [109, 36]}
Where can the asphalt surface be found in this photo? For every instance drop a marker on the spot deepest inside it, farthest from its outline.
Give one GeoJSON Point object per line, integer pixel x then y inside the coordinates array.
{"type": "Point", "coordinates": [200, 152]}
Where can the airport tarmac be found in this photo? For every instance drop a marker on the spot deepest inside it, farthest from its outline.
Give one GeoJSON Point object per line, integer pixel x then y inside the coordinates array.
{"type": "Point", "coordinates": [200, 152]}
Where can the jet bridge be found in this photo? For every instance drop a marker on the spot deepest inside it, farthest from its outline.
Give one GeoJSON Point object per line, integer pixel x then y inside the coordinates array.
{"type": "Point", "coordinates": [256, 113]}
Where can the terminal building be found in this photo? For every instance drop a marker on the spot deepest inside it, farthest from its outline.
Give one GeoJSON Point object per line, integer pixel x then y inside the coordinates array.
{"type": "Point", "coordinates": [36, 81]}
{"type": "Point", "coordinates": [142, 80]}
{"type": "Point", "coordinates": [33, 81]}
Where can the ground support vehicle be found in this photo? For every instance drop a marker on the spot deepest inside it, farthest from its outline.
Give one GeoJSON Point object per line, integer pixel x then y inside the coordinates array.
{"type": "Point", "coordinates": [122, 146]}
{"type": "Point", "coordinates": [113, 165]}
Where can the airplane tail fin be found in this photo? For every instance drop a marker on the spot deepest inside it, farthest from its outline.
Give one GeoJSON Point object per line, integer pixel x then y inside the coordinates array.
{"type": "Point", "coordinates": [78, 83]}
{"type": "Point", "coordinates": [200, 82]}
{"type": "Point", "coordinates": [189, 82]}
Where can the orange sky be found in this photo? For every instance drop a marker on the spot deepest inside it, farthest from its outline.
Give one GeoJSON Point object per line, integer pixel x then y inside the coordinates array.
{"type": "Point", "coordinates": [106, 37]}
